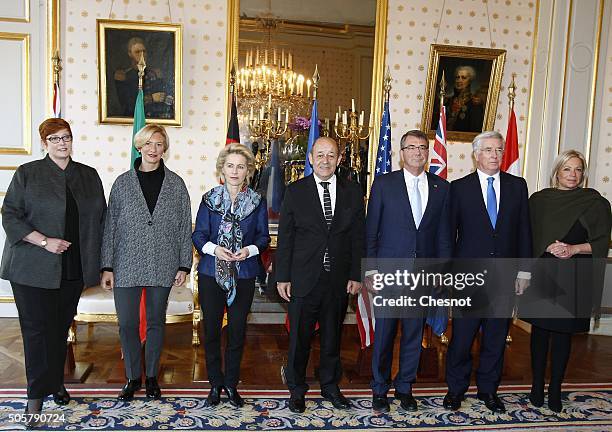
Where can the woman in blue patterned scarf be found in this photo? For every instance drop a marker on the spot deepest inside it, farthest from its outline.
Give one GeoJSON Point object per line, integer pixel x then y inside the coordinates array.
{"type": "Point", "coordinates": [231, 230]}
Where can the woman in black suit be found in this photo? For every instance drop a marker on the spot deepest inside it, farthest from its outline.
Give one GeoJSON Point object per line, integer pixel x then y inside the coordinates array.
{"type": "Point", "coordinates": [568, 221]}
{"type": "Point", "coordinates": [53, 214]}
{"type": "Point", "coordinates": [231, 230]}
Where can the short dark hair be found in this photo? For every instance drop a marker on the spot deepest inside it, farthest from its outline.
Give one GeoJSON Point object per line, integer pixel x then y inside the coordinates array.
{"type": "Point", "coordinates": [52, 125]}
{"type": "Point", "coordinates": [414, 133]}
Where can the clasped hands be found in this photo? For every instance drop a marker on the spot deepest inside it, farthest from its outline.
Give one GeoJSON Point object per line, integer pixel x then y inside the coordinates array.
{"type": "Point", "coordinates": [561, 250]}
{"type": "Point", "coordinates": [225, 254]}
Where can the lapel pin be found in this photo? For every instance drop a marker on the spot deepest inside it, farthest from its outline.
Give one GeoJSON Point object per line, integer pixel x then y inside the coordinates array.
{"type": "Point", "coordinates": [435, 186]}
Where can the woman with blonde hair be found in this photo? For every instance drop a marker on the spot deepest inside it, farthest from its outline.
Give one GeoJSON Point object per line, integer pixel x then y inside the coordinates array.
{"type": "Point", "coordinates": [146, 244]}
{"type": "Point", "coordinates": [568, 221]}
{"type": "Point", "coordinates": [231, 230]}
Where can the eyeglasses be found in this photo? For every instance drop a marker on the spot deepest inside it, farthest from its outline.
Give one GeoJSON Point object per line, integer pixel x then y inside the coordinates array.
{"type": "Point", "coordinates": [420, 148]}
{"type": "Point", "coordinates": [490, 150]}
{"type": "Point", "coordinates": [56, 139]}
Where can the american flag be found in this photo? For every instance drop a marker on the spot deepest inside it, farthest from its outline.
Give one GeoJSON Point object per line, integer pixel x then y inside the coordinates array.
{"type": "Point", "coordinates": [437, 163]}
{"type": "Point", "coordinates": [365, 316]}
{"type": "Point", "coordinates": [383, 155]}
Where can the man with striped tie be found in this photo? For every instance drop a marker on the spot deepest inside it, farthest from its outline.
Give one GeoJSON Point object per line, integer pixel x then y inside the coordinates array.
{"type": "Point", "coordinates": [408, 215]}
{"type": "Point", "coordinates": [318, 263]}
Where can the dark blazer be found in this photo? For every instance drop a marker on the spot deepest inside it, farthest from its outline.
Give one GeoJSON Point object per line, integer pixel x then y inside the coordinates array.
{"type": "Point", "coordinates": [254, 232]}
{"type": "Point", "coordinates": [470, 224]}
{"type": "Point", "coordinates": [36, 201]}
{"type": "Point", "coordinates": [390, 228]}
{"type": "Point", "coordinates": [145, 249]}
{"type": "Point", "coordinates": [303, 236]}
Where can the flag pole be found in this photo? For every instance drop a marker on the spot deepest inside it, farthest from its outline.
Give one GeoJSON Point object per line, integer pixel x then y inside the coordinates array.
{"type": "Point", "coordinates": [387, 85]}
{"type": "Point", "coordinates": [315, 81]}
{"type": "Point", "coordinates": [141, 68]}
{"type": "Point", "coordinates": [442, 90]}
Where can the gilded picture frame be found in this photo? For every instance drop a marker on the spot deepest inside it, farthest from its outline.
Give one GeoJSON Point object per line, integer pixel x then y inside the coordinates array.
{"type": "Point", "coordinates": [473, 80]}
{"type": "Point", "coordinates": [120, 44]}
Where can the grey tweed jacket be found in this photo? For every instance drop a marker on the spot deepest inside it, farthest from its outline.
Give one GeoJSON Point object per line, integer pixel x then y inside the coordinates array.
{"type": "Point", "coordinates": [144, 249]}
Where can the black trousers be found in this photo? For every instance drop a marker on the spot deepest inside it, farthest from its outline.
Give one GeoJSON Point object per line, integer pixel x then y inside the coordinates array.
{"type": "Point", "coordinates": [324, 306]}
{"type": "Point", "coordinates": [213, 301]}
{"type": "Point", "coordinates": [491, 358]}
{"type": "Point", "coordinates": [560, 346]}
{"type": "Point", "coordinates": [45, 316]}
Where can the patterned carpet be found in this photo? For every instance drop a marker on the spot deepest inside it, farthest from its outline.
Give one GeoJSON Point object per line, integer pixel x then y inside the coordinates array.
{"type": "Point", "coordinates": [588, 407]}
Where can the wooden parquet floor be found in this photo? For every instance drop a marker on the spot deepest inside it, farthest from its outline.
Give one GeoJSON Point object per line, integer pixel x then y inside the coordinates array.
{"type": "Point", "coordinates": [266, 351]}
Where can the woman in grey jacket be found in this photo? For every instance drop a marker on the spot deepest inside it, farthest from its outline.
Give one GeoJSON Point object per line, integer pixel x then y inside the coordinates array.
{"type": "Point", "coordinates": [146, 244]}
{"type": "Point", "coordinates": [53, 214]}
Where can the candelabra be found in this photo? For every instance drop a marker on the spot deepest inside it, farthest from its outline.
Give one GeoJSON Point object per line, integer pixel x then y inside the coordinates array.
{"type": "Point", "coordinates": [262, 125]}
{"type": "Point", "coordinates": [352, 129]}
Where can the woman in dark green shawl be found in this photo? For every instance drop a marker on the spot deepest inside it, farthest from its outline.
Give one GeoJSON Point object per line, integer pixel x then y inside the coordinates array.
{"type": "Point", "coordinates": [568, 222]}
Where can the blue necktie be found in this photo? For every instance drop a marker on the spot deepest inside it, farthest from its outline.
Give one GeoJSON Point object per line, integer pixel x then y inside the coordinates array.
{"type": "Point", "coordinates": [491, 202]}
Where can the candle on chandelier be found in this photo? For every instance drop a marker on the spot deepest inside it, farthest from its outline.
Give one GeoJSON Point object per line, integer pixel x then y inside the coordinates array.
{"type": "Point", "coordinates": [344, 122]}
{"type": "Point", "coordinates": [278, 115]}
{"type": "Point", "coordinates": [353, 105]}
{"type": "Point", "coordinates": [286, 115]}
{"type": "Point", "coordinates": [290, 61]}
{"type": "Point", "coordinates": [274, 55]}
{"type": "Point", "coordinates": [251, 116]}
{"type": "Point", "coordinates": [261, 113]}
{"type": "Point", "coordinates": [361, 116]}
{"type": "Point", "coordinates": [257, 57]}
{"type": "Point", "coordinates": [308, 83]}
{"type": "Point", "coordinates": [283, 58]}
{"type": "Point", "coordinates": [326, 123]}
{"type": "Point", "coordinates": [269, 101]}
{"type": "Point", "coordinates": [266, 56]}
{"type": "Point", "coordinates": [335, 123]}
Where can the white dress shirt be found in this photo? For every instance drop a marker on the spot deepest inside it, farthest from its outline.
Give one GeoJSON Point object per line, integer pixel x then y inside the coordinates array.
{"type": "Point", "coordinates": [332, 191]}
{"type": "Point", "coordinates": [423, 188]}
{"type": "Point", "coordinates": [484, 184]}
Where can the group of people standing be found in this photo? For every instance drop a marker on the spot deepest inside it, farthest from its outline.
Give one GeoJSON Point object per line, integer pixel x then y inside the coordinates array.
{"type": "Point", "coordinates": [55, 215]}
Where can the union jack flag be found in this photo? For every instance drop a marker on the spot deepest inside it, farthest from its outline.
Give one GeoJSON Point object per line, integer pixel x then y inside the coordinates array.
{"type": "Point", "coordinates": [437, 163]}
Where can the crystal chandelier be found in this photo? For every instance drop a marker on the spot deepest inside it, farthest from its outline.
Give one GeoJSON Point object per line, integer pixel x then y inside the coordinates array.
{"type": "Point", "coordinates": [268, 73]}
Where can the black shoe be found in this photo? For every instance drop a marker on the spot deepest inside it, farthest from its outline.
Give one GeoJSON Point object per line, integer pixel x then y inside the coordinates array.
{"type": "Point", "coordinates": [152, 388]}
{"type": "Point", "coordinates": [554, 400]}
{"type": "Point", "coordinates": [128, 390]}
{"type": "Point", "coordinates": [536, 397]}
{"type": "Point", "coordinates": [297, 404]}
{"type": "Point", "coordinates": [214, 396]}
{"type": "Point", "coordinates": [234, 397]}
{"type": "Point", "coordinates": [407, 401]}
{"type": "Point", "coordinates": [62, 397]}
{"type": "Point", "coordinates": [380, 403]}
{"type": "Point", "coordinates": [338, 400]}
{"type": "Point", "coordinates": [493, 402]}
{"type": "Point", "coordinates": [452, 401]}
{"type": "Point", "coordinates": [34, 406]}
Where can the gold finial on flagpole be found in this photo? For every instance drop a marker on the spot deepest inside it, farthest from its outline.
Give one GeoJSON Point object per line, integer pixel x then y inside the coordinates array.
{"type": "Point", "coordinates": [387, 84]}
{"type": "Point", "coordinates": [442, 89]}
{"type": "Point", "coordinates": [315, 81]}
{"type": "Point", "coordinates": [232, 78]}
{"type": "Point", "coordinates": [57, 67]}
{"type": "Point", "coordinates": [512, 92]}
{"type": "Point", "coordinates": [141, 68]}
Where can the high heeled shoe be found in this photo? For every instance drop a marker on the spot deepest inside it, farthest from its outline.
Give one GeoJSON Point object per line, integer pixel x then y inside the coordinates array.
{"type": "Point", "coordinates": [34, 406]}
{"type": "Point", "coordinates": [62, 397]}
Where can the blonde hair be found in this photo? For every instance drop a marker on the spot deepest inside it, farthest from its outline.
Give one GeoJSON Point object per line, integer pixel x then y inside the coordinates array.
{"type": "Point", "coordinates": [239, 149]}
{"type": "Point", "coordinates": [145, 134]}
{"type": "Point", "coordinates": [562, 160]}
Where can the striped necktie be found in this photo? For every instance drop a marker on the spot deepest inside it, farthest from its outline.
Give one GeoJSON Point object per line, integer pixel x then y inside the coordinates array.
{"type": "Point", "coordinates": [327, 211]}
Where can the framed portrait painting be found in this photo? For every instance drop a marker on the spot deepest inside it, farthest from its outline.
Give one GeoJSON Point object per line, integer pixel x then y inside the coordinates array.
{"type": "Point", "coordinates": [121, 44]}
{"type": "Point", "coordinates": [473, 78]}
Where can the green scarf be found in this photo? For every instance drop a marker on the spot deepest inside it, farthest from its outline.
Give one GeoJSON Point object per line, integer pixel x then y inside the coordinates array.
{"type": "Point", "coordinates": [554, 212]}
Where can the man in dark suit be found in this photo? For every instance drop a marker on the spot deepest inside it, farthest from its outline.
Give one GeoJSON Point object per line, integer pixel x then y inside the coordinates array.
{"type": "Point", "coordinates": [408, 214]}
{"type": "Point", "coordinates": [318, 262]}
{"type": "Point", "coordinates": [489, 219]}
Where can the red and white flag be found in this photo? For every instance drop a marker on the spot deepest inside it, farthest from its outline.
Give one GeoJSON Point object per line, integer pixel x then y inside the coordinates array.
{"type": "Point", "coordinates": [57, 106]}
{"type": "Point", "coordinates": [366, 322]}
{"type": "Point", "coordinates": [510, 160]}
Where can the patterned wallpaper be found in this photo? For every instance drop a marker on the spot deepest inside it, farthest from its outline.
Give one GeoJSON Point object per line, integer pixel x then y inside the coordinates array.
{"type": "Point", "coordinates": [600, 178]}
{"type": "Point", "coordinates": [412, 28]}
{"type": "Point", "coordinates": [195, 145]}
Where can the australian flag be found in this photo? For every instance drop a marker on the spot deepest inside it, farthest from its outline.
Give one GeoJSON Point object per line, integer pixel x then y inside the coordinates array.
{"type": "Point", "coordinates": [383, 154]}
